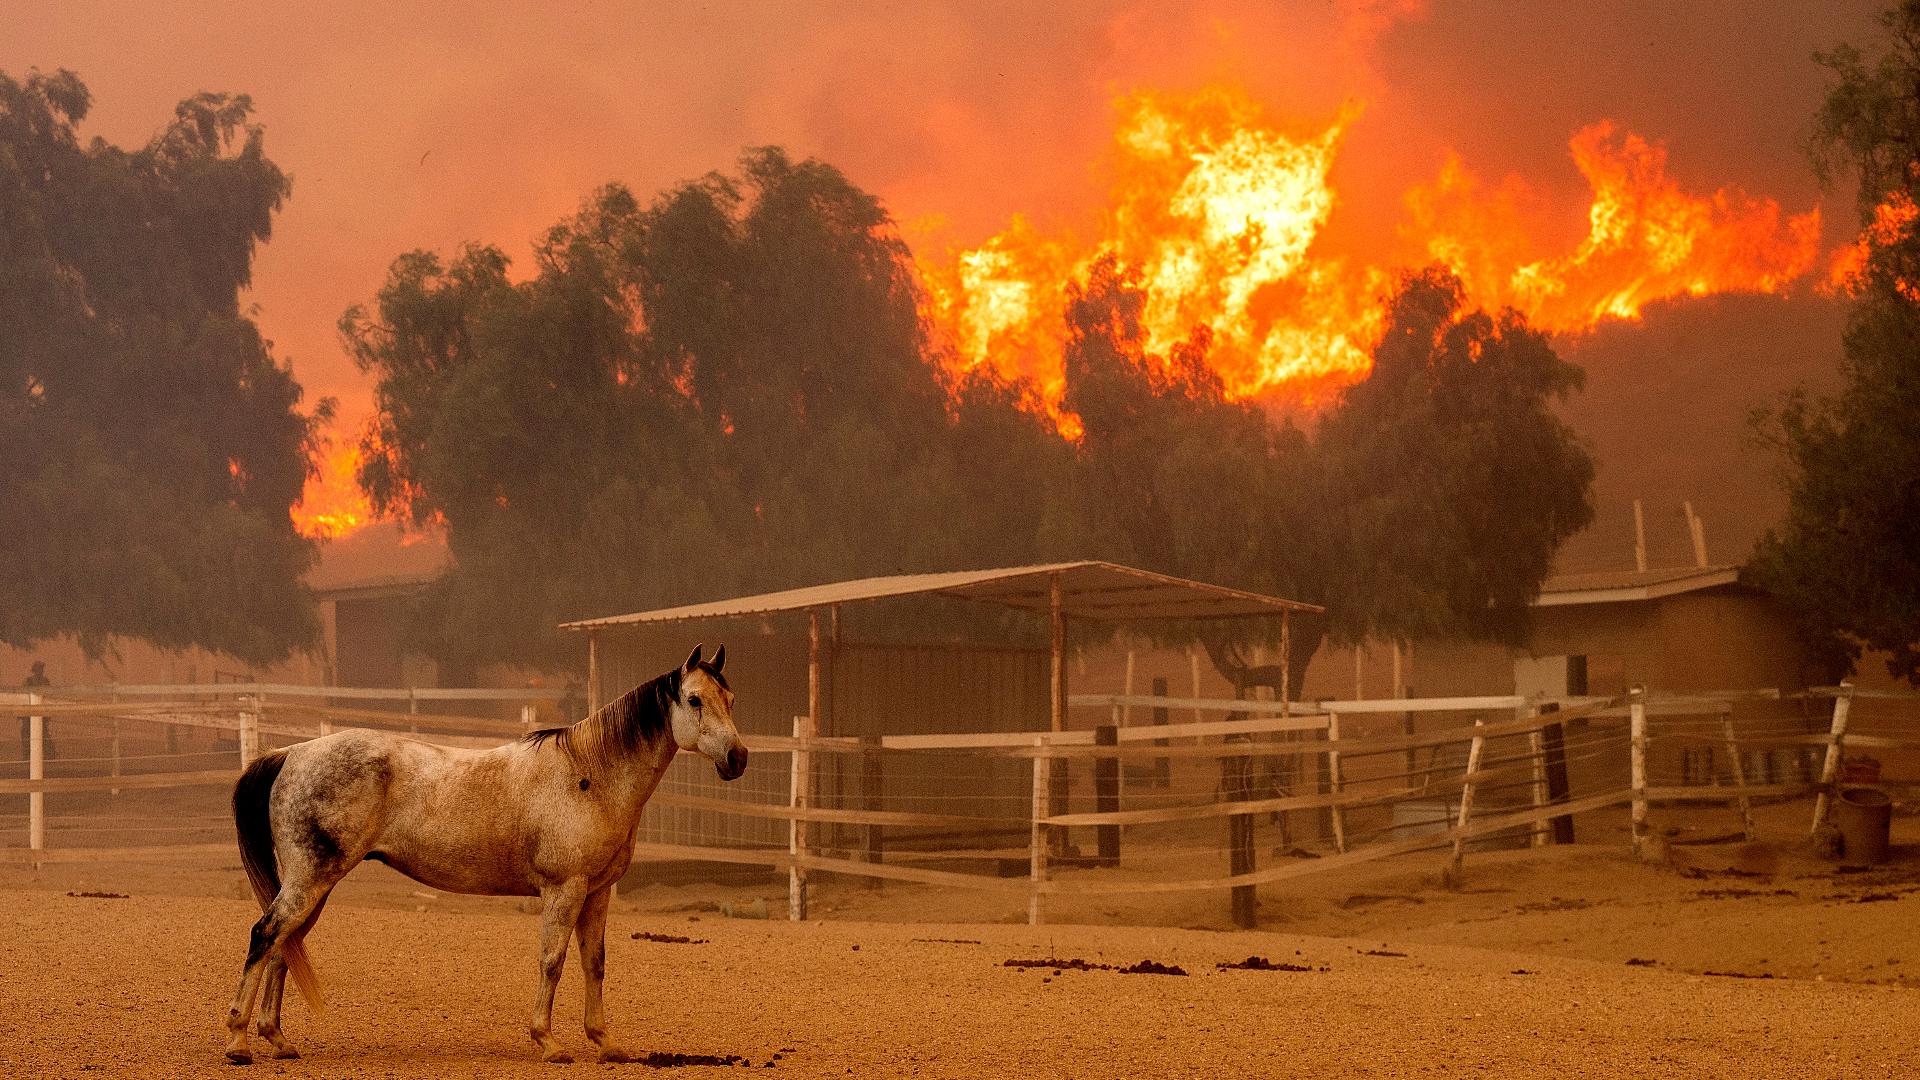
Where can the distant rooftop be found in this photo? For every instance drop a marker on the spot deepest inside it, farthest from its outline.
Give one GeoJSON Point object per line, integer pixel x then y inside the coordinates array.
{"type": "Point", "coordinates": [1617, 586]}
{"type": "Point", "coordinates": [1097, 590]}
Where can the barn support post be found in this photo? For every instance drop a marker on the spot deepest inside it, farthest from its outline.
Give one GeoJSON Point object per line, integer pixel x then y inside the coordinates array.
{"type": "Point", "coordinates": [1286, 664]}
{"type": "Point", "coordinates": [1163, 767]}
{"type": "Point", "coordinates": [1037, 840]}
{"type": "Point", "coordinates": [1637, 732]}
{"type": "Point", "coordinates": [1193, 664]}
{"type": "Point", "coordinates": [1639, 538]}
{"type": "Point", "coordinates": [594, 697]}
{"type": "Point", "coordinates": [1467, 782]}
{"type": "Point", "coordinates": [1124, 718]}
{"type": "Point", "coordinates": [1057, 713]}
{"type": "Point", "coordinates": [1106, 790]}
{"type": "Point", "coordinates": [36, 770]}
{"type": "Point", "coordinates": [413, 709]}
{"type": "Point", "coordinates": [113, 728]}
{"type": "Point", "coordinates": [824, 724]}
{"type": "Point", "coordinates": [1236, 781]}
{"type": "Point", "coordinates": [1836, 745]}
{"type": "Point", "coordinates": [1339, 782]}
{"type": "Point", "coordinates": [799, 780]}
{"type": "Point", "coordinates": [1739, 768]}
{"type": "Point", "coordinates": [872, 787]}
{"type": "Point", "coordinates": [526, 718]}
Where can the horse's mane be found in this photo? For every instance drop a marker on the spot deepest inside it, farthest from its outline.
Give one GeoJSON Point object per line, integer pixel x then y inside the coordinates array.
{"type": "Point", "coordinates": [624, 725]}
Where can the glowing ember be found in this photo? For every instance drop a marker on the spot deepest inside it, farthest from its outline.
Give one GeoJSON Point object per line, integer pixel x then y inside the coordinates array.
{"type": "Point", "coordinates": [333, 504]}
{"type": "Point", "coordinates": [1223, 213]}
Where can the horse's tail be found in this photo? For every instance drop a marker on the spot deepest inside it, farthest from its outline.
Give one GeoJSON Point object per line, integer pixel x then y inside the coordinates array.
{"type": "Point", "coordinates": [255, 828]}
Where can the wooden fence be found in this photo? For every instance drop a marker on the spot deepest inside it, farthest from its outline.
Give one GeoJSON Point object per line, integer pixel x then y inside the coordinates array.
{"type": "Point", "coordinates": [1494, 767]}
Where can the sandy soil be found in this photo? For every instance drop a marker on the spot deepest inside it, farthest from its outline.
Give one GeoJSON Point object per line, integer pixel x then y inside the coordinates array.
{"type": "Point", "coordinates": [1522, 972]}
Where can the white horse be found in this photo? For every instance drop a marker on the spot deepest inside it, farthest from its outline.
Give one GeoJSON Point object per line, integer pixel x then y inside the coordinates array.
{"type": "Point", "coordinates": [552, 814]}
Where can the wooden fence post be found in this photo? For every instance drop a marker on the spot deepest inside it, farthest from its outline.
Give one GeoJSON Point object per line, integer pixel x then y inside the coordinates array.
{"type": "Point", "coordinates": [1836, 744]}
{"type": "Point", "coordinates": [1466, 802]}
{"type": "Point", "coordinates": [1637, 731]}
{"type": "Point", "coordinates": [36, 770]}
{"type": "Point", "coordinates": [1553, 744]}
{"type": "Point", "coordinates": [1236, 775]}
{"type": "Point", "coordinates": [113, 728]}
{"type": "Point", "coordinates": [1106, 792]}
{"type": "Point", "coordinates": [1739, 774]}
{"type": "Point", "coordinates": [1162, 767]}
{"type": "Point", "coordinates": [526, 718]}
{"type": "Point", "coordinates": [249, 735]}
{"type": "Point", "coordinates": [1037, 842]}
{"type": "Point", "coordinates": [1339, 781]}
{"type": "Point", "coordinates": [799, 797]}
{"type": "Point", "coordinates": [413, 709]}
{"type": "Point", "coordinates": [1537, 758]}
{"type": "Point", "coordinates": [871, 796]}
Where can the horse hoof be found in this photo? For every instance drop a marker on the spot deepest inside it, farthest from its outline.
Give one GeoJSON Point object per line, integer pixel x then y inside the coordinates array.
{"type": "Point", "coordinates": [613, 1055]}
{"type": "Point", "coordinates": [286, 1052]}
{"type": "Point", "coordinates": [239, 1056]}
{"type": "Point", "coordinates": [557, 1056]}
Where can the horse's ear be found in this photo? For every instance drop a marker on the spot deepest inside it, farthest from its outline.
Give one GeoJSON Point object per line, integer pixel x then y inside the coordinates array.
{"type": "Point", "coordinates": [694, 660]}
{"type": "Point", "coordinates": [720, 659]}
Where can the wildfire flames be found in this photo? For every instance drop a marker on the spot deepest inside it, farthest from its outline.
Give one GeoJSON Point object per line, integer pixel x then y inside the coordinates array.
{"type": "Point", "coordinates": [333, 504]}
{"type": "Point", "coordinates": [1891, 221]}
{"type": "Point", "coordinates": [1223, 213]}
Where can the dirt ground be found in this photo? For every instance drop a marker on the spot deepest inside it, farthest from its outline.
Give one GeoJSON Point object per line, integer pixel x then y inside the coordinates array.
{"type": "Point", "coordinates": [1731, 960]}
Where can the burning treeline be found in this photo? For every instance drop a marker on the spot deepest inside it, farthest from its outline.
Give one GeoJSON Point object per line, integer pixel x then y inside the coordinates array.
{"type": "Point", "coordinates": [1222, 210]}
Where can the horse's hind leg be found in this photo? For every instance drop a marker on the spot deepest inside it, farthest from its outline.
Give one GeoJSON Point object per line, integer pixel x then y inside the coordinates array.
{"type": "Point", "coordinates": [560, 912]}
{"type": "Point", "coordinates": [592, 933]}
{"type": "Point", "coordinates": [273, 991]}
{"type": "Point", "coordinates": [299, 899]}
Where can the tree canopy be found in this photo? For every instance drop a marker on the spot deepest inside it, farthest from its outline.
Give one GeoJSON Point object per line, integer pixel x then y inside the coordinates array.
{"type": "Point", "coordinates": [733, 389]}
{"type": "Point", "coordinates": [153, 446]}
{"type": "Point", "coordinates": [1847, 558]}
{"type": "Point", "coordinates": [728, 390]}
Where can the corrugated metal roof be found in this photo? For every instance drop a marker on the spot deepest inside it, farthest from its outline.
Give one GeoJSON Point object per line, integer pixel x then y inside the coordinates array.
{"type": "Point", "coordinates": [1609, 586]}
{"type": "Point", "coordinates": [1097, 590]}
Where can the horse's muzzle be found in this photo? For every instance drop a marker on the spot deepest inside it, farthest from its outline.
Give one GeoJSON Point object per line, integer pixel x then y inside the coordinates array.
{"type": "Point", "coordinates": [735, 763]}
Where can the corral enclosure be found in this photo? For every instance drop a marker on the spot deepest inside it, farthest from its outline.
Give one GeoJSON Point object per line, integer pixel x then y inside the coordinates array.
{"type": "Point", "coordinates": [1226, 805]}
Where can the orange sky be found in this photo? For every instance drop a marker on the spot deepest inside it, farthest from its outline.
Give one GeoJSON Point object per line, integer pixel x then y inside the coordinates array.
{"type": "Point", "coordinates": [410, 125]}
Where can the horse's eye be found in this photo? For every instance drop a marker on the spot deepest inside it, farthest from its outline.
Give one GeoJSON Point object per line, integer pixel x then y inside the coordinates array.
{"type": "Point", "coordinates": [693, 700]}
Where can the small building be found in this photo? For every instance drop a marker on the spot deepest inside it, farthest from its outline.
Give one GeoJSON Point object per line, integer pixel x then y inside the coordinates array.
{"type": "Point", "coordinates": [1674, 630]}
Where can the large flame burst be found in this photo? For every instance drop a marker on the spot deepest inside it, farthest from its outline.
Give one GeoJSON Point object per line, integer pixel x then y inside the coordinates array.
{"type": "Point", "coordinates": [332, 503]}
{"type": "Point", "coordinates": [1222, 213]}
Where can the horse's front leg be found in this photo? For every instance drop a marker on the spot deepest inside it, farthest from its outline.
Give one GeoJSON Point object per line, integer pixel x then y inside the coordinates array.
{"type": "Point", "coordinates": [560, 911]}
{"type": "Point", "coordinates": [592, 932]}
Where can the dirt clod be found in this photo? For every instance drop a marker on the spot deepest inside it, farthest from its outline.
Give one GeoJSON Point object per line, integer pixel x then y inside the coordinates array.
{"type": "Point", "coordinates": [1261, 963]}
